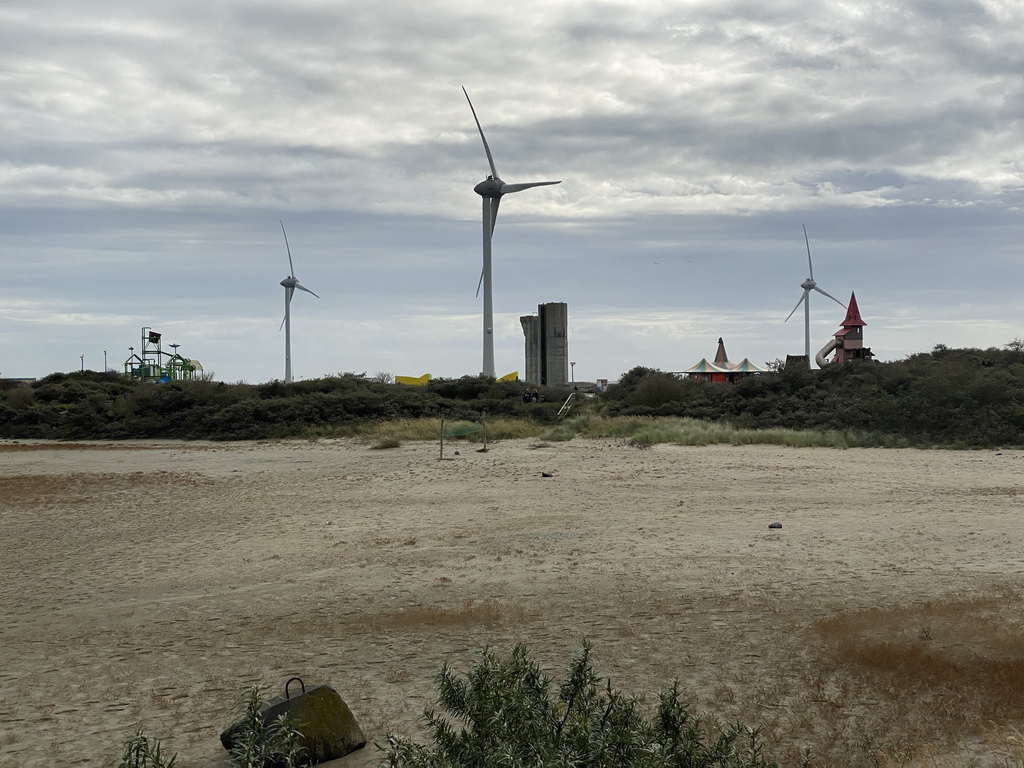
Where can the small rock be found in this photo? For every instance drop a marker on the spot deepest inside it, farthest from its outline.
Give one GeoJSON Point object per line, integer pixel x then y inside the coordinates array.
{"type": "Point", "coordinates": [775, 525]}
{"type": "Point", "coordinates": [546, 474]}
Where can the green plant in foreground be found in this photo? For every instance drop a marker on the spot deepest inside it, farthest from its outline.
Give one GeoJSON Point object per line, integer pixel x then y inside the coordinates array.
{"type": "Point", "coordinates": [505, 713]}
{"type": "Point", "coordinates": [260, 743]}
{"type": "Point", "coordinates": [142, 752]}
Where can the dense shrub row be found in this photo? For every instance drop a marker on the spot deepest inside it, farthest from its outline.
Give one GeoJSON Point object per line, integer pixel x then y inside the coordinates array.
{"type": "Point", "coordinates": [946, 397]}
{"type": "Point", "coordinates": [93, 405]}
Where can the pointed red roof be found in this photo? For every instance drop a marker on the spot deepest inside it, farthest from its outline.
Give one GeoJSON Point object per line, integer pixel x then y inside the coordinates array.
{"type": "Point", "coordinates": [853, 317]}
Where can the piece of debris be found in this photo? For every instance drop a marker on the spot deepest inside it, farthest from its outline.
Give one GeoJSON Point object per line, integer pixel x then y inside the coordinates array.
{"type": "Point", "coordinates": [321, 717]}
{"type": "Point", "coordinates": [775, 525]}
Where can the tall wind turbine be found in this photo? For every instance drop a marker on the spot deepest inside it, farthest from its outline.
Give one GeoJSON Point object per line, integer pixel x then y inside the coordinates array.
{"type": "Point", "coordinates": [290, 283]}
{"type": "Point", "coordinates": [809, 285]}
{"type": "Point", "coordinates": [491, 190]}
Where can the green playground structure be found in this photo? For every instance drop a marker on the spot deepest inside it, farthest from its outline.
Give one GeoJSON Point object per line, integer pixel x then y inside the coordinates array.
{"type": "Point", "coordinates": [152, 363]}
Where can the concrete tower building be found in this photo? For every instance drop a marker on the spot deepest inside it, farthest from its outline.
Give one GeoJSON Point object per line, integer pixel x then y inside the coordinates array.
{"type": "Point", "coordinates": [547, 345]}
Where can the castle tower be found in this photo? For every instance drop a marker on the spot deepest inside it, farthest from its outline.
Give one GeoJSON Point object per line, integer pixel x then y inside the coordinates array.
{"type": "Point", "coordinates": [849, 340]}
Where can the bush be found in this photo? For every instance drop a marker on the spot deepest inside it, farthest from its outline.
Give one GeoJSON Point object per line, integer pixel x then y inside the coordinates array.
{"type": "Point", "coordinates": [504, 713]}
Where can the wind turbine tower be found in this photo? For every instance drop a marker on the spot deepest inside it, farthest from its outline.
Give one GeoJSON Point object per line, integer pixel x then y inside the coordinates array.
{"type": "Point", "coordinates": [290, 283]}
{"type": "Point", "coordinates": [491, 190]}
{"type": "Point", "coordinates": [809, 285]}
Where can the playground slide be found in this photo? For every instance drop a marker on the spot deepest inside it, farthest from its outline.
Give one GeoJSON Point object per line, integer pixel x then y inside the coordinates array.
{"type": "Point", "coordinates": [413, 381]}
{"type": "Point", "coordinates": [824, 352]}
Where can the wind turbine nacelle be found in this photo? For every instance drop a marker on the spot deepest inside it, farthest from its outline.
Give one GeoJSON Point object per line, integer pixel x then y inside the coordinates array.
{"type": "Point", "coordinates": [289, 282]}
{"type": "Point", "coordinates": [489, 187]}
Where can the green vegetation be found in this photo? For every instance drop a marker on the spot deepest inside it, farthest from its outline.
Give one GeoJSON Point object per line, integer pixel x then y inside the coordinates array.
{"type": "Point", "coordinates": [88, 405]}
{"type": "Point", "coordinates": [259, 743]}
{"type": "Point", "coordinates": [139, 751]}
{"type": "Point", "coordinates": [504, 713]}
{"type": "Point", "coordinates": [958, 398]}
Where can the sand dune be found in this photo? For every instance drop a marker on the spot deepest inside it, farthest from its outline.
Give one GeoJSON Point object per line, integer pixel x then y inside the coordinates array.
{"type": "Point", "coordinates": [152, 582]}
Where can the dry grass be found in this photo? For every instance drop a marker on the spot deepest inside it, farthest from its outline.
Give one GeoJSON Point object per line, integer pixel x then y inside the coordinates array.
{"type": "Point", "coordinates": [35, 489]}
{"type": "Point", "coordinates": [916, 675]}
{"type": "Point", "coordinates": [1006, 744]}
{"type": "Point", "coordinates": [15, 446]}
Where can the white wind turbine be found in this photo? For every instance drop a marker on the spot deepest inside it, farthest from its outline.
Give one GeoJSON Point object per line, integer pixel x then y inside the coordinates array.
{"type": "Point", "coordinates": [490, 190]}
{"type": "Point", "coordinates": [809, 285]}
{"type": "Point", "coordinates": [290, 283]}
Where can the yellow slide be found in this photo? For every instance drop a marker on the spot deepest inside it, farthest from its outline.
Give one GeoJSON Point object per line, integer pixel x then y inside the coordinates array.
{"type": "Point", "coordinates": [413, 381]}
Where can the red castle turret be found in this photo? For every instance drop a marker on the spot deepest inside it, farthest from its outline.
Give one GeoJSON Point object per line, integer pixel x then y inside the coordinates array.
{"type": "Point", "coordinates": [848, 342]}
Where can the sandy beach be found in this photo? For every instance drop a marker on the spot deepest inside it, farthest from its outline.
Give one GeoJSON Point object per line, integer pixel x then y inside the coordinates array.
{"type": "Point", "coordinates": [151, 583]}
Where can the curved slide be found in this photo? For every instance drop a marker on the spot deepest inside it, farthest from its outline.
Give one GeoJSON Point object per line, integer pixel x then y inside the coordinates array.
{"type": "Point", "coordinates": [824, 352]}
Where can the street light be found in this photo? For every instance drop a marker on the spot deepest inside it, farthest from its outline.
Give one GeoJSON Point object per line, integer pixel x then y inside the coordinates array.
{"type": "Point", "coordinates": [83, 362]}
{"type": "Point", "coordinates": [573, 370]}
{"type": "Point", "coordinates": [104, 361]}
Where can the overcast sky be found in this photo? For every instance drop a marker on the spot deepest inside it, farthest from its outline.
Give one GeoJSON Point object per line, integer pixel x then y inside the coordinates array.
{"type": "Point", "coordinates": [148, 151]}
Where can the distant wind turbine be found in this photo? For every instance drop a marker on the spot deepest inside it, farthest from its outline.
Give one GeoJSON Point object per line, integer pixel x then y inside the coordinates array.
{"type": "Point", "coordinates": [809, 285]}
{"type": "Point", "coordinates": [490, 190]}
{"type": "Point", "coordinates": [290, 283]}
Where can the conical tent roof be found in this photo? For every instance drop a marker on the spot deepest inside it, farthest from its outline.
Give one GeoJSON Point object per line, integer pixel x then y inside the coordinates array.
{"type": "Point", "coordinates": [745, 366]}
{"type": "Point", "coordinates": [721, 358]}
{"type": "Point", "coordinates": [705, 367]}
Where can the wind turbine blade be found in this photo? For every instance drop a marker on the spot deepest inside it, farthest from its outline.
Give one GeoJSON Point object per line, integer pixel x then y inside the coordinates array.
{"type": "Point", "coordinates": [291, 267]}
{"type": "Point", "coordinates": [826, 293]}
{"type": "Point", "coordinates": [480, 283]}
{"type": "Point", "coordinates": [282, 323]}
{"type": "Point", "coordinates": [810, 267]}
{"type": "Point", "coordinates": [520, 187]}
{"type": "Point", "coordinates": [802, 300]}
{"type": "Point", "coordinates": [494, 213]}
{"type": "Point", "coordinates": [487, 149]}
{"type": "Point", "coordinates": [301, 287]}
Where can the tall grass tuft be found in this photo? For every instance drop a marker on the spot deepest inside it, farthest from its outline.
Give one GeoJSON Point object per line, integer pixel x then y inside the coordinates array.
{"type": "Point", "coordinates": [139, 751]}
{"type": "Point", "coordinates": [502, 428]}
{"type": "Point", "coordinates": [645, 431]}
{"type": "Point", "coordinates": [261, 743]}
{"type": "Point", "coordinates": [567, 429]}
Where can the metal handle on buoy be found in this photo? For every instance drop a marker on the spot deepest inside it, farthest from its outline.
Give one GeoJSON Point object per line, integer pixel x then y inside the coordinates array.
{"type": "Point", "coordinates": [286, 694]}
